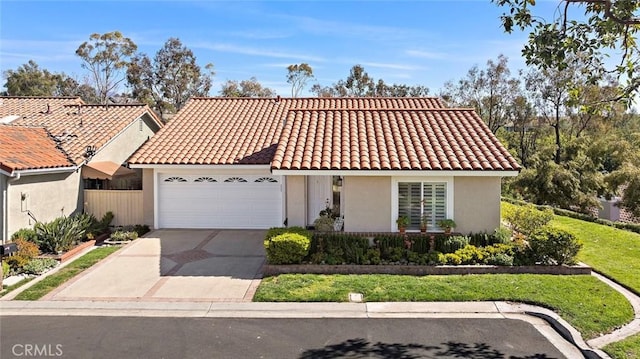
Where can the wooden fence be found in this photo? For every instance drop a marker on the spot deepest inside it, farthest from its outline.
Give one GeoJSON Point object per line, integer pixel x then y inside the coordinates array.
{"type": "Point", "coordinates": [126, 205]}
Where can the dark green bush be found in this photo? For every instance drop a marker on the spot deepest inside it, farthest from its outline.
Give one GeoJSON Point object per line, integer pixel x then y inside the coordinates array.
{"type": "Point", "coordinates": [373, 256]}
{"type": "Point", "coordinates": [141, 229]}
{"type": "Point", "coordinates": [61, 234]}
{"type": "Point", "coordinates": [421, 244]}
{"type": "Point", "coordinates": [393, 254]}
{"type": "Point", "coordinates": [340, 247]}
{"type": "Point", "coordinates": [28, 234]}
{"type": "Point", "coordinates": [287, 248]}
{"type": "Point", "coordinates": [384, 242]}
{"type": "Point", "coordinates": [554, 246]}
{"type": "Point", "coordinates": [450, 244]}
{"type": "Point", "coordinates": [500, 259]}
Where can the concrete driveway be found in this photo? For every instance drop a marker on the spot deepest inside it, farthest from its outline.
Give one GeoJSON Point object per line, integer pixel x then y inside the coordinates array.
{"type": "Point", "coordinates": [175, 265]}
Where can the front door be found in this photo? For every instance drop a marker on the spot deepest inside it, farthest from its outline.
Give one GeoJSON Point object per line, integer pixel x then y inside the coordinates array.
{"type": "Point", "coordinates": [319, 195]}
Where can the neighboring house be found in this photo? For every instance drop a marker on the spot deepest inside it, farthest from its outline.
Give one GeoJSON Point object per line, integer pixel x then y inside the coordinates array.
{"type": "Point", "coordinates": [259, 163]}
{"type": "Point", "coordinates": [95, 140]}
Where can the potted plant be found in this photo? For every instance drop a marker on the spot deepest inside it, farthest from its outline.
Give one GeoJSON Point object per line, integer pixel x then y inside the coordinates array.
{"type": "Point", "coordinates": [447, 224]}
{"type": "Point", "coordinates": [424, 220]}
{"type": "Point", "coordinates": [402, 222]}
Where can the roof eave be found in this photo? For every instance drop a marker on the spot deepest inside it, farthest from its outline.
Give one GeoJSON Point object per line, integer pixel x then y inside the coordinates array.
{"type": "Point", "coordinates": [399, 173]}
{"type": "Point", "coordinates": [43, 171]}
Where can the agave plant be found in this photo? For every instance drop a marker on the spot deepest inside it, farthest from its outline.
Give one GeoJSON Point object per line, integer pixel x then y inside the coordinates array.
{"type": "Point", "coordinates": [61, 234]}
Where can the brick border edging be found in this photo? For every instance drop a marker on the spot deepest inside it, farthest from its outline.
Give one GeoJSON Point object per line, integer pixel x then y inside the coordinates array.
{"type": "Point", "coordinates": [271, 270]}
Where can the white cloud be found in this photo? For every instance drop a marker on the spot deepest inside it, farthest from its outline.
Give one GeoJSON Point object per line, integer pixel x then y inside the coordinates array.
{"type": "Point", "coordinates": [427, 54]}
{"type": "Point", "coordinates": [392, 66]}
{"type": "Point", "coordinates": [245, 50]}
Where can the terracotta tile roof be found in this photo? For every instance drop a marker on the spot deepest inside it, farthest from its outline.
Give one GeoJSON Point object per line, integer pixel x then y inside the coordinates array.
{"type": "Point", "coordinates": [79, 126]}
{"type": "Point", "coordinates": [25, 148]}
{"type": "Point", "coordinates": [24, 106]}
{"type": "Point", "coordinates": [222, 130]}
{"type": "Point", "coordinates": [407, 139]}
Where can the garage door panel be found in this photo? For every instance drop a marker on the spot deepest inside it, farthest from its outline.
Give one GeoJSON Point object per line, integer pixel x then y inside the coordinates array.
{"type": "Point", "coordinates": [200, 201]}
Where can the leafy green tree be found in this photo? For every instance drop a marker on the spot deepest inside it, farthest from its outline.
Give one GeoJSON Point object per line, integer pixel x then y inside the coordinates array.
{"type": "Point", "coordinates": [106, 56]}
{"type": "Point", "coordinates": [360, 84]}
{"type": "Point", "coordinates": [488, 90]}
{"type": "Point", "coordinates": [170, 79]}
{"type": "Point", "coordinates": [298, 76]}
{"type": "Point", "coordinates": [604, 29]}
{"type": "Point", "coordinates": [245, 88]}
{"type": "Point", "coordinates": [30, 80]}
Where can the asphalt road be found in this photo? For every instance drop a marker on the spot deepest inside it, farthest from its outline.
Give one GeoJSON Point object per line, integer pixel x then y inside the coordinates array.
{"type": "Point", "coordinates": [126, 337]}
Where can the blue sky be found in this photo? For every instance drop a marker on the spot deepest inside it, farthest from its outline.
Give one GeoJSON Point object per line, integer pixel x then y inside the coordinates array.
{"type": "Point", "coordinates": [411, 42]}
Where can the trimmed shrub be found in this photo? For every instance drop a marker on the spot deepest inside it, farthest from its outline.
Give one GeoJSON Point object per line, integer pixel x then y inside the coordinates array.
{"type": "Point", "coordinates": [502, 234]}
{"type": "Point", "coordinates": [38, 266]}
{"type": "Point", "coordinates": [527, 219]}
{"type": "Point", "coordinates": [324, 224]}
{"type": "Point", "coordinates": [27, 234]}
{"type": "Point", "coordinates": [451, 259]}
{"type": "Point", "coordinates": [373, 256]}
{"type": "Point", "coordinates": [450, 244]}
{"type": "Point", "coordinates": [124, 235]}
{"type": "Point", "coordinates": [554, 246]}
{"type": "Point", "coordinates": [500, 259]}
{"type": "Point", "coordinates": [276, 231]}
{"type": "Point", "coordinates": [471, 255]}
{"type": "Point", "coordinates": [287, 248]}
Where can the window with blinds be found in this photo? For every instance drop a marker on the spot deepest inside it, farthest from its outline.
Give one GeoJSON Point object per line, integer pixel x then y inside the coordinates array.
{"type": "Point", "coordinates": [417, 199]}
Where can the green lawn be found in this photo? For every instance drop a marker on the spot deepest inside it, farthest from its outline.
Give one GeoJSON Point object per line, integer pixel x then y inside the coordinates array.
{"type": "Point", "coordinates": [74, 268]}
{"type": "Point", "coordinates": [611, 251]}
{"type": "Point", "coordinates": [589, 305]}
{"type": "Point", "coordinates": [628, 348]}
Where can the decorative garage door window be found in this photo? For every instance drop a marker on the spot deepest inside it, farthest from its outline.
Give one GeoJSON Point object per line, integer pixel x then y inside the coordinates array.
{"type": "Point", "coordinates": [266, 179]}
{"type": "Point", "coordinates": [418, 199]}
{"type": "Point", "coordinates": [205, 179]}
{"type": "Point", "coordinates": [175, 179]}
{"type": "Point", "coordinates": [235, 179]}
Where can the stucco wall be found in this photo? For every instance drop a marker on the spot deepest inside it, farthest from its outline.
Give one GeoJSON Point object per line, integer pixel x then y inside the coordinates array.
{"type": "Point", "coordinates": [296, 201]}
{"type": "Point", "coordinates": [46, 196]}
{"type": "Point", "coordinates": [125, 144]}
{"type": "Point", "coordinates": [3, 217]}
{"type": "Point", "coordinates": [147, 196]}
{"type": "Point", "coordinates": [367, 203]}
{"type": "Point", "coordinates": [476, 204]}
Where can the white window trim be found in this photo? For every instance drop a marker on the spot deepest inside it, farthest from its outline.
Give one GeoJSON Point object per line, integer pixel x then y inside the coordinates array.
{"type": "Point", "coordinates": [394, 194]}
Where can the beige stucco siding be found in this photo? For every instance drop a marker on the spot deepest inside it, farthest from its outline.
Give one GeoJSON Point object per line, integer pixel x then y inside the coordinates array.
{"type": "Point", "coordinates": [3, 204]}
{"type": "Point", "coordinates": [147, 196]}
{"type": "Point", "coordinates": [476, 204]}
{"type": "Point", "coordinates": [367, 203]}
{"type": "Point", "coordinates": [120, 148]}
{"type": "Point", "coordinates": [296, 201]}
{"type": "Point", "coordinates": [46, 196]}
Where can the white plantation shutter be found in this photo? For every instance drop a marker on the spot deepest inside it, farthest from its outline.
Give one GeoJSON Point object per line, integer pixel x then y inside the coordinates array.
{"type": "Point", "coordinates": [409, 197]}
{"type": "Point", "coordinates": [416, 199]}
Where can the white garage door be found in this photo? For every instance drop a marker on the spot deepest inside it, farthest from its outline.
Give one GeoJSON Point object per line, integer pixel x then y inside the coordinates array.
{"type": "Point", "coordinates": [194, 201]}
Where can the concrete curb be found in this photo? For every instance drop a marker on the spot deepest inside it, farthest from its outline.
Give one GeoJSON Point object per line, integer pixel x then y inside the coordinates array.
{"type": "Point", "coordinates": [628, 330]}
